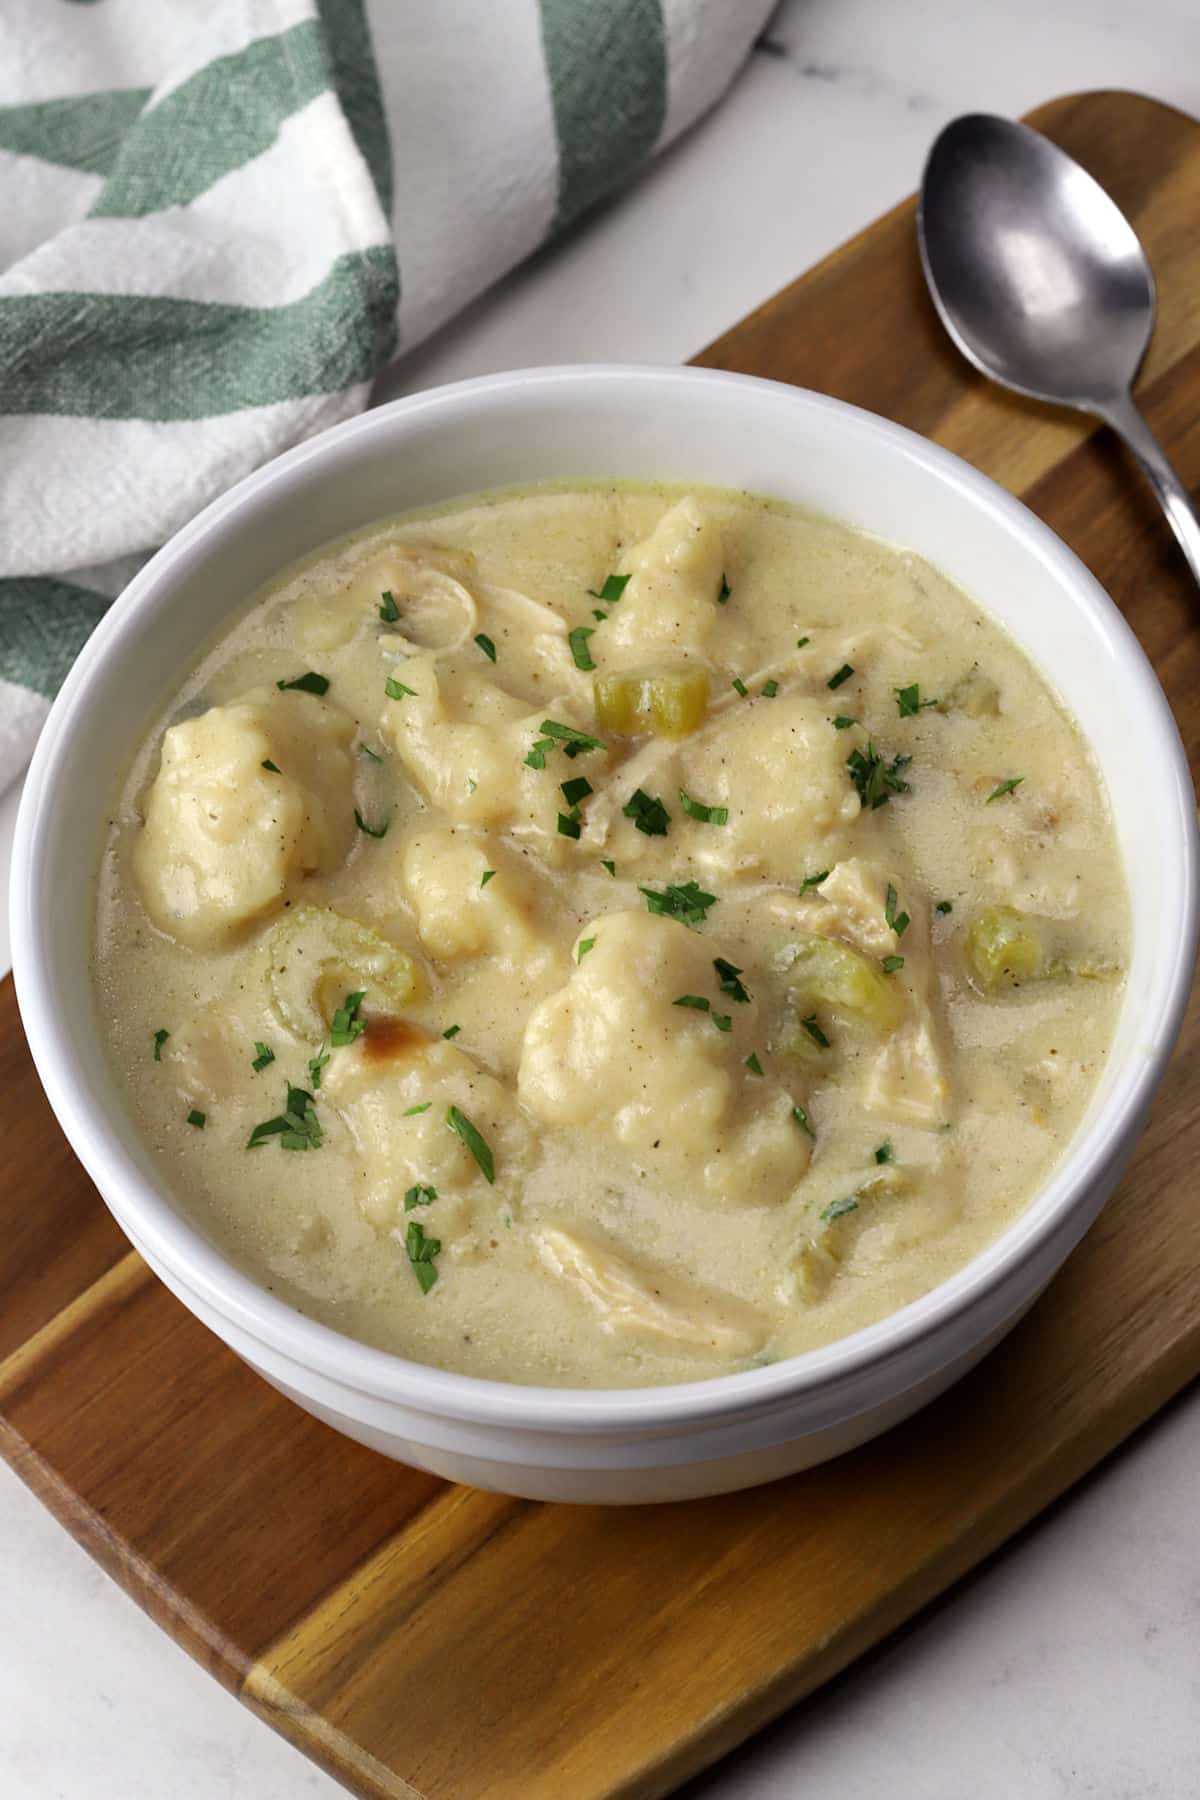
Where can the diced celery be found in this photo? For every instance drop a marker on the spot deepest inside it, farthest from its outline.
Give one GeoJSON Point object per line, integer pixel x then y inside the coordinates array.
{"type": "Point", "coordinates": [663, 702]}
{"type": "Point", "coordinates": [827, 972]}
{"type": "Point", "coordinates": [317, 956]}
{"type": "Point", "coordinates": [1004, 945]}
{"type": "Point", "coordinates": [974, 694]}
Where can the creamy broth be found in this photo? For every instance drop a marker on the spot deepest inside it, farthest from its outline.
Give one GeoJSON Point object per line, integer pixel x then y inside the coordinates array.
{"type": "Point", "coordinates": [662, 932]}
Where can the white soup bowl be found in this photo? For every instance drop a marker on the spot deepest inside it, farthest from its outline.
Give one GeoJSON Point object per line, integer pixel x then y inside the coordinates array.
{"type": "Point", "coordinates": [645, 424]}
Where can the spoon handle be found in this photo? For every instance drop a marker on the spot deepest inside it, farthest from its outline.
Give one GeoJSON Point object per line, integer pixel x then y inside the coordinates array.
{"type": "Point", "coordinates": [1173, 497]}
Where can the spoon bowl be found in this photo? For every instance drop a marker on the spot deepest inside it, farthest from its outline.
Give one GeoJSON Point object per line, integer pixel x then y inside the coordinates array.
{"type": "Point", "coordinates": [1026, 254]}
{"type": "Point", "coordinates": [1043, 284]}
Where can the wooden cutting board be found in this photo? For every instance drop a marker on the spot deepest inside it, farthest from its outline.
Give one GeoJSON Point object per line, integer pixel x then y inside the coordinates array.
{"type": "Point", "coordinates": [433, 1641]}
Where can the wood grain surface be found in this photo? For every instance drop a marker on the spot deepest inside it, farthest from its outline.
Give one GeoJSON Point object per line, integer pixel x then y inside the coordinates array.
{"type": "Point", "coordinates": [432, 1641]}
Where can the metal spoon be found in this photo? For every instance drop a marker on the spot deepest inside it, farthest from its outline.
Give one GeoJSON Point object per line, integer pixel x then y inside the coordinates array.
{"type": "Point", "coordinates": [1041, 282]}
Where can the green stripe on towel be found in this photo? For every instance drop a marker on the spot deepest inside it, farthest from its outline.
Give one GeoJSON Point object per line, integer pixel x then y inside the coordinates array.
{"type": "Point", "coordinates": [83, 132]}
{"type": "Point", "coordinates": [44, 624]}
{"type": "Point", "coordinates": [222, 116]}
{"type": "Point", "coordinates": [608, 81]}
{"type": "Point", "coordinates": [145, 356]}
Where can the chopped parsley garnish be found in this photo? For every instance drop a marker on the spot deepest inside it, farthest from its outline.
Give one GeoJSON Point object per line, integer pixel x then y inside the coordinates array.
{"type": "Point", "coordinates": [843, 722]}
{"type": "Point", "coordinates": [370, 829]}
{"type": "Point", "coordinates": [301, 1118]}
{"type": "Point", "coordinates": [801, 1118]}
{"type": "Point", "coordinates": [874, 779]}
{"type": "Point", "coordinates": [707, 815]}
{"type": "Point", "coordinates": [585, 944]}
{"type": "Point", "coordinates": [486, 645]}
{"type": "Point", "coordinates": [420, 1194]}
{"type": "Point", "coordinates": [263, 1055]}
{"type": "Point", "coordinates": [814, 1031]}
{"type": "Point", "coordinates": [578, 640]}
{"type": "Point", "coordinates": [459, 1122]}
{"type": "Point", "coordinates": [160, 1038]}
{"type": "Point", "coordinates": [727, 975]}
{"type": "Point", "coordinates": [1005, 787]}
{"type": "Point", "coordinates": [739, 687]}
{"type": "Point", "coordinates": [885, 1152]}
{"type": "Point", "coordinates": [800, 642]}
{"type": "Point", "coordinates": [909, 700]}
{"type": "Point", "coordinates": [753, 1064]}
{"type": "Point", "coordinates": [315, 1065]}
{"type": "Point", "coordinates": [308, 683]}
{"type": "Point", "coordinates": [841, 675]}
{"type": "Point", "coordinates": [396, 690]}
{"type": "Point", "coordinates": [890, 964]}
{"type": "Point", "coordinates": [410, 1112]}
{"type": "Point", "coordinates": [597, 614]}
{"type": "Point", "coordinates": [944, 906]}
{"type": "Point", "coordinates": [272, 767]}
{"type": "Point", "coordinates": [421, 1252]}
{"type": "Point", "coordinates": [347, 1025]}
{"type": "Point", "coordinates": [723, 596]}
{"type": "Point", "coordinates": [452, 1031]}
{"type": "Point", "coordinates": [899, 922]}
{"type": "Point", "coordinates": [296, 1127]}
{"type": "Point", "coordinates": [610, 866]}
{"type": "Point", "coordinates": [685, 901]}
{"type": "Point", "coordinates": [649, 815]}
{"type": "Point", "coordinates": [698, 1003]}
{"type": "Point", "coordinates": [373, 754]}
{"type": "Point", "coordinates": [838, 1208]}
{"type": "Point", "coordinates": [770, 689]}
{"type": "Point", "coordinates": [814, 881]}
{"type": "Point", "coordinates": [197, 1119]}
{"type": "Point", "coordinates": [611, 590]}
{"type": "Point", "coordinates": [574, 792]}
{"type": "Point", "coordinates": [486, 877]}
{"type": "Point", "coordinates": [389, 612]}
{"type": "Point", "coordinates": [576, 741]}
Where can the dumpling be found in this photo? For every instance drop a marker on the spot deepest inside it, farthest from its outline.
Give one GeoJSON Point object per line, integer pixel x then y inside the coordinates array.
{"type": "Point", "coordinates": [393, 1088]}
{"type": "Point", "coordinates": [249, 798]}
{"type": "Point", "coordinates": [670, 600]}
{"type": "Point", "coordinates": [467, 745]}
{"type": "Point", "coordinates": [450, 730]}
{"type": "Point", "coordinates": [776, 767]}
{"type": "Point", "coordinates": [780, 769]}
{"type": "Point", "coordinates": [460, 914]}
{"type": "Point", "coordinates": [613, 1049]}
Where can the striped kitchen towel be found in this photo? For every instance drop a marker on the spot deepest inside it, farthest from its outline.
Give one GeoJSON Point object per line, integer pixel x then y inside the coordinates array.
{"type": "Point", "coordinates": [221, 218]}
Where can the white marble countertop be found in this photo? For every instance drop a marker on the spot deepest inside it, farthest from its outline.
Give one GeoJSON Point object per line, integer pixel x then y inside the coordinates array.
{"type": "Point", "coordinates": [1070, 1667]}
